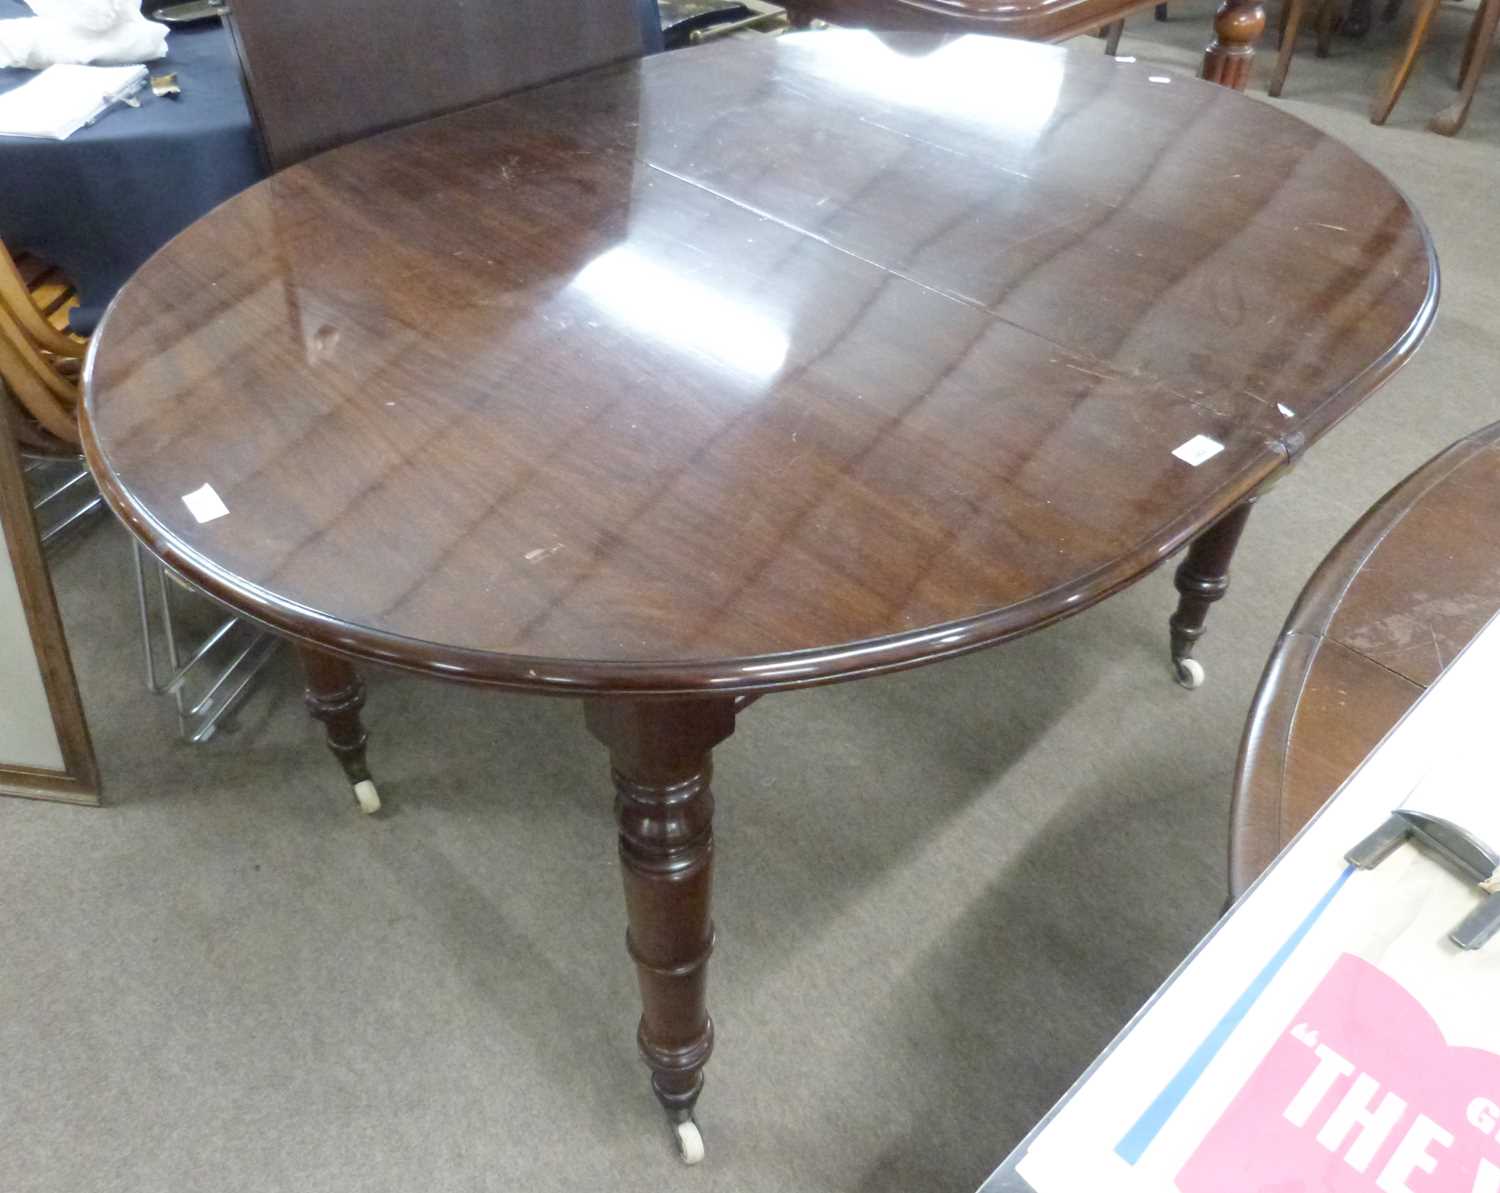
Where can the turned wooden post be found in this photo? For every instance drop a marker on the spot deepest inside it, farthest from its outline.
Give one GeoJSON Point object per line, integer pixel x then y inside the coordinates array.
{"type": "Point", "coordinates": [1237, 27]}
{"type": "Point", "coordinates": [661, 758]}
{"type": "Point", "coordinates": [335, 694]}
{"type": "Point", "coordinates": [1203, 578]}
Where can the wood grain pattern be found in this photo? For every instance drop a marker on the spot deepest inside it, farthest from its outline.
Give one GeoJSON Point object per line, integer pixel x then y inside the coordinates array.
{"type": "Point", "coordinates": [769, 363]}
{"type": "Point", "coordinates": [1402, 593]}
{"type": "Point", "coordinates": [737, 369]}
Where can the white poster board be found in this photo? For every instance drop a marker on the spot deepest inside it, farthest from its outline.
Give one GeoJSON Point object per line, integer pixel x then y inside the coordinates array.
{"type": "Point", "coordinates": [1328, 1037]}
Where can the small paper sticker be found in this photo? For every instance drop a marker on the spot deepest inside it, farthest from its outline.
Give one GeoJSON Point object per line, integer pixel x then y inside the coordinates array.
{"type": "Point", "coordinates": [1197, 449]}
{"type": "Point", "coordinates": [204, 504]}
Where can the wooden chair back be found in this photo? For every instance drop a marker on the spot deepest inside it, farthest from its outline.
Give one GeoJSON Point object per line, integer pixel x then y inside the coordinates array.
{"type": "Point", "coordinates": [38, 297]}
{"type": "Point", "coordinates": [38, 361]}
{"type": "Point", "coordinates": [36, 382]}
{"type": "Point", "coordinates": [321, 73]}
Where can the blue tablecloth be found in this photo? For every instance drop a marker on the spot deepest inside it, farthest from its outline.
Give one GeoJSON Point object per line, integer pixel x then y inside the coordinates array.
{"type": "Point", "coordinates": [101, 202]}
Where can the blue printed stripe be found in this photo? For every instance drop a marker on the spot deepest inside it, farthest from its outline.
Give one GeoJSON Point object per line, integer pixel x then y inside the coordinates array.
{"type": "Point", "coordinates": [1149, 1125]}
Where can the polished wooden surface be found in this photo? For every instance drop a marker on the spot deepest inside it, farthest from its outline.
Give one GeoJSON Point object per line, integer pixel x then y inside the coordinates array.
{"type": "Point", "coordinates": [1404, 591]}
{"type": "Point", "coordinates": [744, 368]}
{"type": "Point", "coordinates": [1227, 60]}
{"type": "Point", "coordinates": [769, 363]}
{"type": "Point", "coordinates": [320, 73]}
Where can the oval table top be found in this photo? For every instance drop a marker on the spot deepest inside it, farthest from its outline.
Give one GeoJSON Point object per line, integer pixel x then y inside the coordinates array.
{"type": "Point", "coordinates": [749, 366]}
{"type": "Point", "coordinates": [1391, 606]}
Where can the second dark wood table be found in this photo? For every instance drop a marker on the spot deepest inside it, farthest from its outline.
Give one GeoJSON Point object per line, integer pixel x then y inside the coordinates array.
{"type": "Point", "coordinates": [738, 370]}
{"type": "Point", "coordinates": [1391, 606]}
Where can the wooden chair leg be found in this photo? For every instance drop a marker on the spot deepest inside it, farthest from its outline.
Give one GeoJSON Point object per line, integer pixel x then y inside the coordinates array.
{"type": "Point", "coordinates": [1230, 56]}
{"type": "Point", "coordinates": [1471, 45]}
{"type": "Point", "coordinates": [1112, 34]}
{"type": "Point", "coordinates": [1291, 21]}
{"type": "Point", "coordinates": [1390, 91]}
{"type": "Point", "coordinates": [1481, 41]}
{"type": "Point", "coordinates": [1328, 14]}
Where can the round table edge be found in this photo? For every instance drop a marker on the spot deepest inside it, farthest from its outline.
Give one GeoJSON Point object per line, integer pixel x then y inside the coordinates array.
{"type": "Point", "coordinates": [1256, 833]}
{"type": "Point", "coordinates": [728, 677]}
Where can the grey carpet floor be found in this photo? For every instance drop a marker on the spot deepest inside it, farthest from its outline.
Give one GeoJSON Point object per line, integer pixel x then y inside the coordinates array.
{"type": "Point", "coordinates": [939, 893]}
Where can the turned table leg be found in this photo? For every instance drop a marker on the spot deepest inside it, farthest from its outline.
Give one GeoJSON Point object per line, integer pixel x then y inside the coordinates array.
{"type": "Point", "coordinates": [335, 694]}
{"type": "Point", "coordinates": [1229, 57]}
{"type": "Point", "coordinates": [661, 757]}
{"type": "Point", "coordinates": [1202, 579]}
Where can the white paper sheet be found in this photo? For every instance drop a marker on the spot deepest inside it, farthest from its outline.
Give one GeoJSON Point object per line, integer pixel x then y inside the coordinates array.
{"type": "Point", "coordinates": [63, 99]}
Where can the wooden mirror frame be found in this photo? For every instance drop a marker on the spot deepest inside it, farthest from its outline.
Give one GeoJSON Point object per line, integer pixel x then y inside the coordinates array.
{"type": "Point", "coordinates": [78, 781]}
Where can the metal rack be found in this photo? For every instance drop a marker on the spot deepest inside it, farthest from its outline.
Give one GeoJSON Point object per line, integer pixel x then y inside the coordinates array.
{"type": "Point", "coordinates": [206, 676]}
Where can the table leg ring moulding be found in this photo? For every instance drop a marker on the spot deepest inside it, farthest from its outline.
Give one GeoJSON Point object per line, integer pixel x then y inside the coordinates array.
{"type": "Point", "coordinates": [335, 694]}
{"type": "Point", "coordinates": [1230, 57]}
{"type": "Point", "coordinates": [661, 755]}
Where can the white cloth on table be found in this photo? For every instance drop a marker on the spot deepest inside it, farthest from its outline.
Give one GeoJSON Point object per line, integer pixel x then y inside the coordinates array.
{"type": "Point", "coordinates": [98, 32]}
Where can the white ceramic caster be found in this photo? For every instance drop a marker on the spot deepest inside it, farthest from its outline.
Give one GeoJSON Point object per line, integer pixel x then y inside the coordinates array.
{"type": "Point", "coordinates": [368, 797]}
{"type": "Point", "coordinates": [1189, 673]}
{"type": "Point", "coordinates": [689, 1141]}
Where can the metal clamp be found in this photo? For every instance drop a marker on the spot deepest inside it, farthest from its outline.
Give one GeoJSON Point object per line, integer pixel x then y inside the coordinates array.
{"type": "Point", "coordinates": [1459, 849]}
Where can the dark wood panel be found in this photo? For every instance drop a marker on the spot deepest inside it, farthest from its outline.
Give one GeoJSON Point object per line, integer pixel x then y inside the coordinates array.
{"type": "Point", "coordinates": [322, 73]}
{"type": "Point", "coordinates": [1321, 710]}
{"type": "Point", "coordinates": [1434, 581]}
{"type": "Point", "coordinates": [1401, 594]}
{"type": "Point", "coordinates": [752, 366]}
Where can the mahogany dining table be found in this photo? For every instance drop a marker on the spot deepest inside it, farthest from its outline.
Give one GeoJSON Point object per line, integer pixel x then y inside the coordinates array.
{"type": "Point", "coordinates": [746, 368]}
